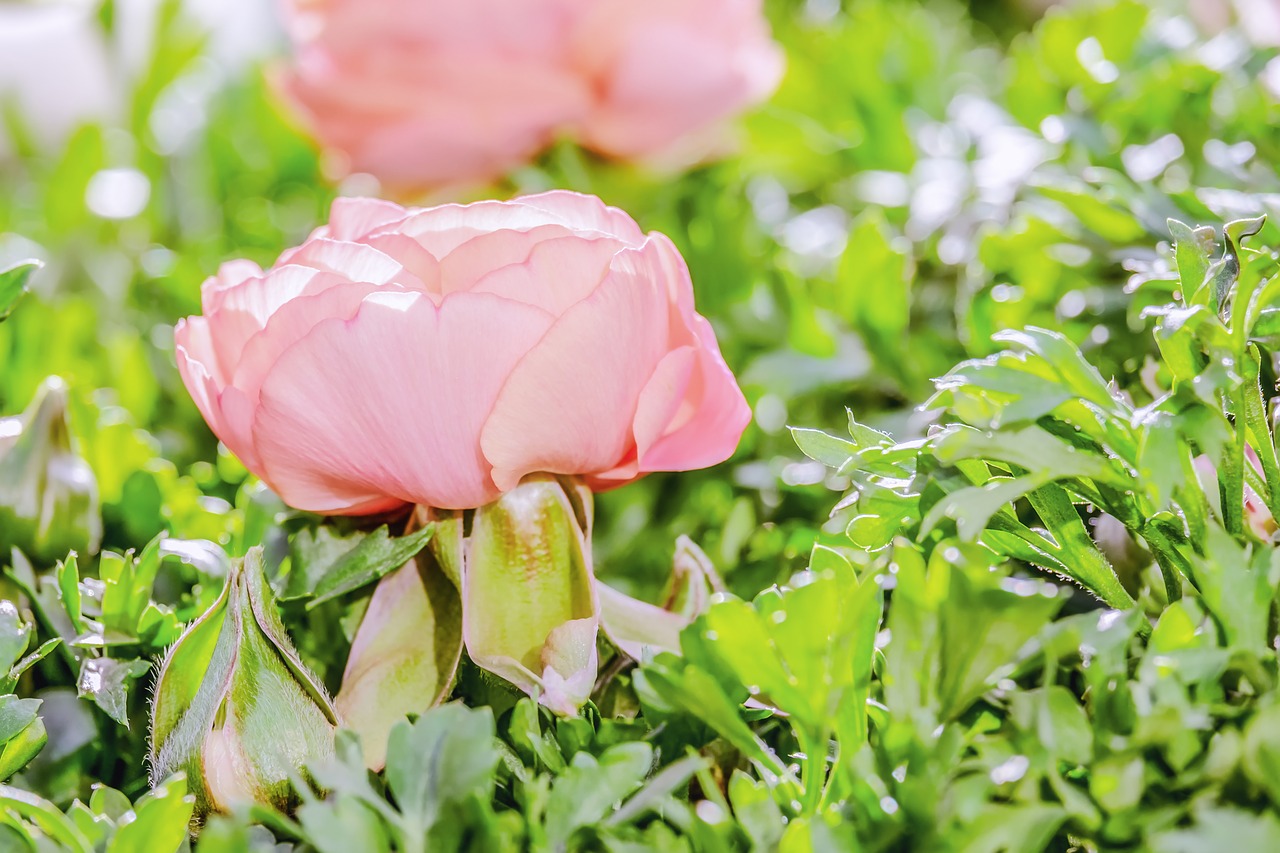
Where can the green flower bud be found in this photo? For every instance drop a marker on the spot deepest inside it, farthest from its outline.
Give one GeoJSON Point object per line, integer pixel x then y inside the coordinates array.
{"type": "Point", "coordinates": [48, 494]}
{"type": "Point", "coordinates": [234, 706]}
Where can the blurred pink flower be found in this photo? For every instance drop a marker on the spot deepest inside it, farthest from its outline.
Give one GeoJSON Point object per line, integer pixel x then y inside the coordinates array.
{"type": "Point", "coordinates": [427, 93]}
{"type": "Point", "coordinates": [437, 356]}
{"type": "Point", "coordinates": [1256, 514]}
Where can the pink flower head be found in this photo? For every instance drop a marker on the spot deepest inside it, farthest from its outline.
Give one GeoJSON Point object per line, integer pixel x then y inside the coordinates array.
{"type": "Point", "coordinates": [425, 93]}
{"type": "Point", "coordinates": [439, 355]}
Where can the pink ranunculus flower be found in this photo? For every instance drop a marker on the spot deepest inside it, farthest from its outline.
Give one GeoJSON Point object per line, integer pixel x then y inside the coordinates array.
{"type": "Point", "coordinates": [431, 93]}
{"type": "Point", "coordinates": [665, 71]}
{"type": "Point", "coordinates": [437, 356]}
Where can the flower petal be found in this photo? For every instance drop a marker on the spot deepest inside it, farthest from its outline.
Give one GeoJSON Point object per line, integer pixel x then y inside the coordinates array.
{"type": "Point", "coordinates": [353, 218]}
{"type": "Point", "coordinates": [389, 403]}
{"type": "Point", "coordinates": [557, 274]}
{"type": "Point", "coordinates": [568, 406]}
{"type": "Point", "coordinates": [587, 212]}
{"type": "Point", "coordinates": [707, 426]}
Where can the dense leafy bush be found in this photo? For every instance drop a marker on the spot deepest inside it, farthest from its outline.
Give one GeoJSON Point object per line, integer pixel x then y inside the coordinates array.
{"type": "Point", "coordinates": [1008, 582]}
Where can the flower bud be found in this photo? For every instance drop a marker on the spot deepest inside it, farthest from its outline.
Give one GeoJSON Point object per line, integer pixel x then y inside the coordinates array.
{"type": "Point", "coordinates": [234, 707]}
{"type": "Point", "coordinates": [48, 494]}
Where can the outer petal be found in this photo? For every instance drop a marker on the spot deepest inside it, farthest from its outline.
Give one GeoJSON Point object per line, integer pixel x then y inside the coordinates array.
{"type": "Point", "coordinates": [290, 324]}
{"type": "Point", "coordinates": [709, 422]}
{"type": "Point", "coordinates": [198, 368]}
{"type": "Point", "coordinates": [353, 218]}
{"type": "Point", "coordinates": [568, 406]}
{"type": "Point", "coordinates": [587, 213]}
{"type": "Point", "coordinates": [391, 403]}
{"type": "Point", "coordinates": [229, 275]}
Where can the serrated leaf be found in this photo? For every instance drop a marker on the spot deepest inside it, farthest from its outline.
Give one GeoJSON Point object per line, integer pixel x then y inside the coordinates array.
{"type": "Point", "coordinates": [373, 556]}
{"type": "Point", "coordinates": [1191, 257]}
{"type": "Point", "coordinates": [68, 573]}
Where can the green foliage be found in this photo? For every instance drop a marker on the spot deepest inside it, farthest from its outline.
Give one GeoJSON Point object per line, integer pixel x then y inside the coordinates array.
{"type": "Point", "coordinates": [110, 823]}
{"type": "Point", "coordinates": [326, 565]}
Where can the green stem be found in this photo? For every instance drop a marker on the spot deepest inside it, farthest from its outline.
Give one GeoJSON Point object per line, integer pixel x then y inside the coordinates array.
{"type": "Point", "coordinates": [813, 772]}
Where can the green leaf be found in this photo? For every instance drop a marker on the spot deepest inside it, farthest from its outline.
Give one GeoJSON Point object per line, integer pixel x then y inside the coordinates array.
{"type": "Point", "coordinates": [1191, 255]}
{"type": "Point", "coordinates": [1030, 447]}
{"type": "Point", "coordinates": [13, 284]}
{"type": "Point", "coordinates": [45, 816]}
{"type": "Point", "coordinates": [589, 789]}
{"type": "Point", "coordinates": [18, 751]}
{"type": "Point", "coordinates": [15, 634]}
{"type": "Point", "coordinates": [445, 758]}
{"type": "Point", "coordinates": [830, 450]}
{"type": "Point", "coordinates": [68, 573]}
{"type": "Point", "coordinates": [161, 820]}
{"type": "Point", "coordinates": [327, 567]}
{"type": "Point", "coordinates": [106, 682]}
{"type": "Point", "coordinates": [15, 715]}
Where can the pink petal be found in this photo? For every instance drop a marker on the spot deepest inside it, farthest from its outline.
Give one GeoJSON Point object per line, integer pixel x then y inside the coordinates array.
{"type": "Point", "coordinates": [390, 404]}
{"type": "Point", "coordinates": [568, 406]}
{"type": "Point", "coordinates": [586, 212]}
{"type": "Point", "coordinates": [353, 218]}
{"type": "Point", "coordinates": [244, 310]}
{"type": "Point", "coordinates": [421, 265]}
{"type": "Point", "coordinates": [443, 229]}
{"type": "Point", "coordinates": [354, 261]}
{"type": "Point", "coordinates": [558, 273]}
{"type": "Point", "coordinates": [484, 253]}
{"type": "Point", "coordinates": [709, 422]}
{"type": "Point", "coordinates": [197, 368]}
{"type": "Point", "coordinates": [290, 324]}
{"type": "Point", "coordinates": [237, 425]}
{"type": "Point", "coordinates": [229, 275]}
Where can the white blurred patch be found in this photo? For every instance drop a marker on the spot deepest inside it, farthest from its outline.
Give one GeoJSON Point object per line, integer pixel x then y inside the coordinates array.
{"type": "Point", "coordinates": [117, 193]}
